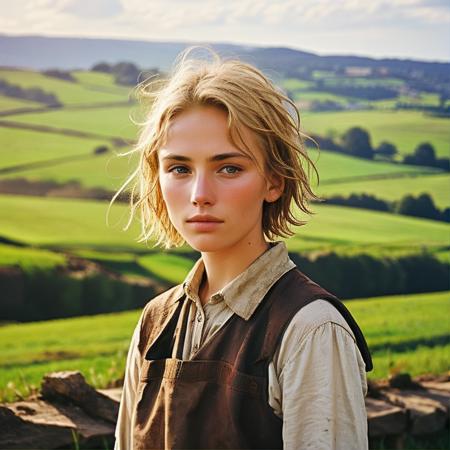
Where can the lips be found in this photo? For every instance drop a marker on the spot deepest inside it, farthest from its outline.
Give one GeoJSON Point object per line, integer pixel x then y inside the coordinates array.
{"type": "Point", "coordinates": [204, 218]}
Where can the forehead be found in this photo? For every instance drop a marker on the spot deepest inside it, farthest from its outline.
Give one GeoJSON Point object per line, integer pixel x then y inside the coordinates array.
{"type": "Point", "coordinates": [204, 129]}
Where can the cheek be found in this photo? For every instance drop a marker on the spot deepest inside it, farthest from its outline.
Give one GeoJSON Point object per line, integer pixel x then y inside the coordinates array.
{"type": "Point", "coordinates": [246, 193]}
{"type": "Point", "coordinates": [170, 191]}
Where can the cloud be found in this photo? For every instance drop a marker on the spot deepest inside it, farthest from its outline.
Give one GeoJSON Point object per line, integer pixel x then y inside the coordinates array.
{"type": "Point", "coordinates": [92, 8]}
{"type": "Point", "coordinates": [347, 24]}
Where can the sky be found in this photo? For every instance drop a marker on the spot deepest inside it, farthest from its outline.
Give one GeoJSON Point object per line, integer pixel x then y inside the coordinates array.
{"type": "Point", "coordinates": [417, 29]}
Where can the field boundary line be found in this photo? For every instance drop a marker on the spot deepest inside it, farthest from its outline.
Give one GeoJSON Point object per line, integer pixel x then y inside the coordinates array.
{"type": "Point", "coordinates": [115, 140]}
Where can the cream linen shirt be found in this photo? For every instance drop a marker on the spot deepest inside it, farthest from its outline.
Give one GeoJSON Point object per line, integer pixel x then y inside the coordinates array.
{"type": "Point", "coordinates": [317, 380]}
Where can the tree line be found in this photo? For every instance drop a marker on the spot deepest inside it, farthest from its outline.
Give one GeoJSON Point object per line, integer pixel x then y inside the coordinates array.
{"type": "Point", "coordinates": [34, 94]}
{"type": "Point", "coordinates": [421, 206]}
{"type": "Point", "coordinates": [356, 141]}
{"type": "Point", "coordinates": [126, 73]}
{"type": "Point", "coordinates": [43, 294]}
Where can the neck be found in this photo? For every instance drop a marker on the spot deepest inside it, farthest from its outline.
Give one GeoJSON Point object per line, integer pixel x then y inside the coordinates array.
{"type": "Point", "coordinates": [223, 266]}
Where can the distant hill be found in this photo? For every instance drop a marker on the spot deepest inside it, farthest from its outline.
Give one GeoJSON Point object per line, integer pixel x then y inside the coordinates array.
{"type": "Point", "coordinates": [39, 53]}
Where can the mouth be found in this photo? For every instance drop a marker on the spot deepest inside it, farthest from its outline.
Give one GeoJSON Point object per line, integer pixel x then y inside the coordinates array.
{"type": "Point", "coordinates": [204, 224]}
{"type": "Point", "coordinates": [205, 219]}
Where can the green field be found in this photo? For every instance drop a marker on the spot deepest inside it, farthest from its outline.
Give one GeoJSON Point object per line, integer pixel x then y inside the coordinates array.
{"type": "Point", "coordinates": [294, 84]}
{"type": "Point", "coordinates": [112, 121]}
{"type": "Point", "coordinates": [69, 223]}
{"type": "Point", "coordinates": [304, 97]}
{"type": "Point", "coordinates": [69, 93]}
{"type": "Point", "coordinates": [27, 146]}
{"type": "Point", "coordinates": [438, 186]}
{"type": "Point", "coordinates": [406, 333]}
{"type": "Point", "coordinates": [66, 223]}
{"type": "Point", "coordinates": [110, 170]}
{"type": "Point", "coordinates": [167, 266]}
{"type": "Point", "coordinates": [428, 99]}
{"type": "Point", "coordinates": [334, 166]}
{"type": "Point", "coordinates": [29, 258]}
{"type": "Point", "coordinates": [405, 129]}
{"type": "Point", "coordinates": [11, 103]}
{"type": "Point", "coordinates": [340, 228]}
{"type": "Point", "coordinates": [403, 332]}
{"type": "Point", "coordinates": [100, 82]}
{"type": "Point", "coordinates": [106, 170]}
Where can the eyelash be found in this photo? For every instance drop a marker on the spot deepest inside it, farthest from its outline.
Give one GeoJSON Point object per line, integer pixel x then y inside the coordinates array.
{"type": "Point", "coordinates": [173, 169]}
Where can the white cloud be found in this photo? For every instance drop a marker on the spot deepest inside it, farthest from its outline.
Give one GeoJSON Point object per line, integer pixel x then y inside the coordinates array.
{"type": "Point", "coordinates": [345, 23]}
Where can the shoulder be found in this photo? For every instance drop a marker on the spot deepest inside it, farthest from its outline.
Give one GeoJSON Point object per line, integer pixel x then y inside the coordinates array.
{"type": "Point", "coordinates": [316, 314]}
{"type": "Point", "coordinates": [318, 319]}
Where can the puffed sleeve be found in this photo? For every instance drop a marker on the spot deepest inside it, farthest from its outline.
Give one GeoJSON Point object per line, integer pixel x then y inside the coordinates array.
{"type": "Point", "coordinates": [124, 426]}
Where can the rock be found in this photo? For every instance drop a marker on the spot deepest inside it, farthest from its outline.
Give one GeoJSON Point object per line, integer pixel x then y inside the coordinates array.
{"type": "Point", "coordinates": [384, 419]}
{"type": "Point", "coordinates": [72, 386]}
{"type": "Point", "coordinates": [38, 424]}
{"type": "Point", "coordinates": [444, 386]}
{"type": "Point", "coordinates": [426, 415]}
{"type": "Point", "coordinates": [403, 381]}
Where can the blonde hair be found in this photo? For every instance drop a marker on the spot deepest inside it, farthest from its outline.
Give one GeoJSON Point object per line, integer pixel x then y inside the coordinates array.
{"type": "Point", "coordinates": [251, 100]}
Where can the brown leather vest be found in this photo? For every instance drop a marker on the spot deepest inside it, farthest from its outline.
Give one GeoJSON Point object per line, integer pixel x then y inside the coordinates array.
{"type": "Point", "coordinates": [219, 398]}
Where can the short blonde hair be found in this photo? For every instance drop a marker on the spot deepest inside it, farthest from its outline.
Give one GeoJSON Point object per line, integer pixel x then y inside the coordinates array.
{"type": "Point", "coordinates": [250, 100]}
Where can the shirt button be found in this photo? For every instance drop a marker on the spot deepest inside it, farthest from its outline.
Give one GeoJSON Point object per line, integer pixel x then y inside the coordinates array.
{"type": "Point", "coordinates": [199, 317]}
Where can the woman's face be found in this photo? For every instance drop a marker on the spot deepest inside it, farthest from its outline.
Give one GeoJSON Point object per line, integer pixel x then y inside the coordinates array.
{"type": "Point", "coordinates": [213, 191]}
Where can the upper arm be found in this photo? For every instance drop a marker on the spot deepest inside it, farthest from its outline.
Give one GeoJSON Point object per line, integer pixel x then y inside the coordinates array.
{"type": "Point", "coordinates": [322, 383]}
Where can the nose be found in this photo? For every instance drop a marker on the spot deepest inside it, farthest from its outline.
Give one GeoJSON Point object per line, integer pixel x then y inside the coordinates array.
{"type": "Point", "coordinates": [202, 192]}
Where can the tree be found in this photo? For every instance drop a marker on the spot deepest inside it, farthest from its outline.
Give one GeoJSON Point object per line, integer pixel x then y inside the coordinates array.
{"type": "Point", "coordinates": [126, 73]}
{"type": "Point", "coordinates": [443, 163]}
{"type": "Point", "coordinates": [425, 154]}
{"type": "Point", "coordinates": [101, 149]}
{"type": "Point", "coordinates": [422, 206]}
{"type": "Point", "coordinates": [387, 149]}
{"type": "Point", "coordinates": [356, 142]}
{"type": "Point", "coordinates": [102, 67]}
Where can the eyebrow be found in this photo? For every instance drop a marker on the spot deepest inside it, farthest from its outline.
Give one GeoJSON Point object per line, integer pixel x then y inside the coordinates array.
{"type": "Point", "coordinates": [218, 157]}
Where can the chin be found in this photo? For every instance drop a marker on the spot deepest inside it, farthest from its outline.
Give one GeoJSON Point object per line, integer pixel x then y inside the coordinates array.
{"type": "Point", "coordinates": [206, 243]}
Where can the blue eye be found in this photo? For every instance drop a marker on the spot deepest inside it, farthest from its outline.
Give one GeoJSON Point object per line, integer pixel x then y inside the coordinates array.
{"type": "Point", "coordinates": [231, 170]}
{"type": "Point", "coordinates": [179, 170]}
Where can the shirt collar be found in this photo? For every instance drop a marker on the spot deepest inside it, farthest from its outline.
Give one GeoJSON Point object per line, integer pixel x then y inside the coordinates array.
{"type": "Point", "coordinates": [242, 294]}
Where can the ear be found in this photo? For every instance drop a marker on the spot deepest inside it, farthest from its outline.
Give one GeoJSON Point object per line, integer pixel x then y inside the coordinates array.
{"type": "Point", "coordinates": [275, 188]}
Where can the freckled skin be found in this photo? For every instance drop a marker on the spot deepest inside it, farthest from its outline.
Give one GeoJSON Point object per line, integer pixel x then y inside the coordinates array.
{"type": "Point", "coordinates": [232, 190]}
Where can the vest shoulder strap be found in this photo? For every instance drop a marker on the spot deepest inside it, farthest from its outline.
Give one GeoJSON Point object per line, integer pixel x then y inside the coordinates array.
{"type": "Point", "coordinates": [292, 292]}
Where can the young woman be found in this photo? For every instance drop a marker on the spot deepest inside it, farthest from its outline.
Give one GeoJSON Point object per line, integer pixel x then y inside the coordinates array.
{"type": "Point", "coordinates": [247, 352]}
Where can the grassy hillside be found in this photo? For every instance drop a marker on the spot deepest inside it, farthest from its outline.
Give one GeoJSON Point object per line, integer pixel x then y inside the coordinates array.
{"type": "Point", "coordinates": [69, 93]}
{"type": "Point", "coordinates": [29, 258]}
{"type": "Point", "coordinates": [334, 167]}
{"type": "Point", "coordinates": [405, 129]}
{"type": "Point", "coordinates": [100, 82]}
{"type": "Point", "coordinates": [403, 332]}
{"type": "Point", "coordinates": [111, 121]}
{"type": "Point", "coordinates": [65, 223]}
{"type": "Point", "coordinates": [10, 103]}
{"type": "Point", "coordinates": [110, 170]}
{"type": "Point", "coordinates": [340, 227]}
{"type": "Point", "coordinates": [69, 223]}
{"type": "Point", "coordinates": [437, 186]}
{"type": "Point", "coordinates": [106, 170]}
{"type": "Point", "coordinates": [19, 146]}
